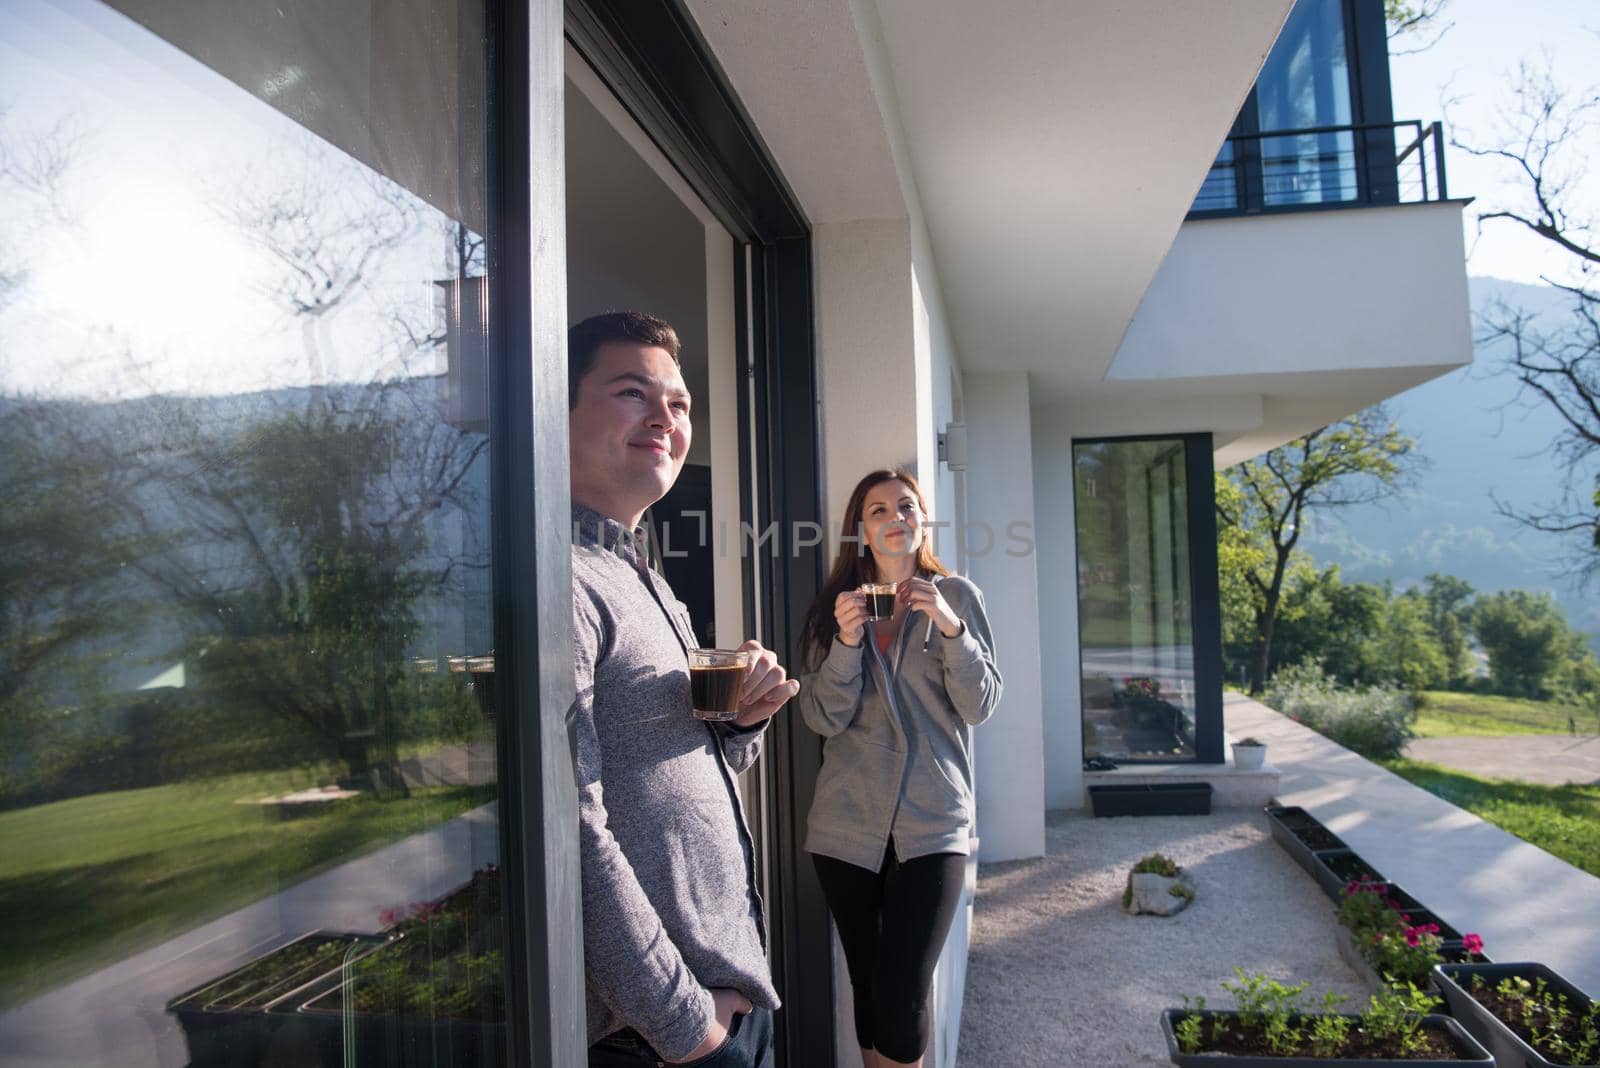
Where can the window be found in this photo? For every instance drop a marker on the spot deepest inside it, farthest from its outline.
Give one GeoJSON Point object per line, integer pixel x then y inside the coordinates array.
{"type": "Point", "coordinates": [1148, 683]}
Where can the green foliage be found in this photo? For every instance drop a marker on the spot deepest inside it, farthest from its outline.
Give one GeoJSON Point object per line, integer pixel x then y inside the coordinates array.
{"type": "Point", "coordinates": [1562, 820]}
{"type": "Point", "coordinates": [1395, 1012]}
{"type": "Point", "coordinates": [1528, 641]}
{"type": "Point", "coordinates": [1329, 1031]}
{"type": "Point", "coordinates": [1156, 864]}
{"type": "Point", "coordinates": [1268, 1004]}
{"type": "Point", "coordinates": [1375, 721]}
{"type": "Point", "coordinates": [1264, 506]}
{"type": "Point", "coordinates": [1189, 1029]}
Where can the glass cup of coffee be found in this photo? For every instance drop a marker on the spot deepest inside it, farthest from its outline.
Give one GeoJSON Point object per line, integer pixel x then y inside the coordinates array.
{"type": "Point", "coordinates": [715, 678]}
{"type": "Point", "coordinates": [880, 600]}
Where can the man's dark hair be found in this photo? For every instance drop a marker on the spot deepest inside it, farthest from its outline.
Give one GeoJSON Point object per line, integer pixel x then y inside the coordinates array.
{"type": "Point", "coordinates": [585, 339]}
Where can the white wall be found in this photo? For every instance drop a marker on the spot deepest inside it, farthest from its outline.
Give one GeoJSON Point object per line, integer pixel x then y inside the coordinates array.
{"type": "Point", "coordinates": [1310, 291]}
{"type": "Point", "coordinates": [1060, 691]}
{"type": "Point", "coordinates": [1010, 747]}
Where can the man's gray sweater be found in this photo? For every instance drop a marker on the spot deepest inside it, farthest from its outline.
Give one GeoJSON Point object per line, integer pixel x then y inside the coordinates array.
{"type": "Point", "coordinates": [670, 906]}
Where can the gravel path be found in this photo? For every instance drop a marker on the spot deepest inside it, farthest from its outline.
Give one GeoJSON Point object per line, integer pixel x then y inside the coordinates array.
{"type": "Point", "coordinates": [1059, 976]}
{"type": "Point", "coordinates": [1553, 759]}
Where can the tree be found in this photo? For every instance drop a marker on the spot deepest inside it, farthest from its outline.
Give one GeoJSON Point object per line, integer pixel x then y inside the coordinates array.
{"type": "Point", "coordinates": [1449, 614]}
{"type": "Point", "coordinates": [1358, 460]}
{"type": "Point", "coordinates": [1540, 142]}
{"type": "Point", "coordinates": [1412, 22]}
{"type": "Point", "coordinates": [1528, 641]}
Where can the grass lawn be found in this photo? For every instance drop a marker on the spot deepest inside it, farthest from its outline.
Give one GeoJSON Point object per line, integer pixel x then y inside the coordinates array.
{"type": "Point", "coordinates": [94, 879]}
{"type": "Point", "coordinates": [1448, 714]}
{"type": "Point", "coordinates": [1563, 820]}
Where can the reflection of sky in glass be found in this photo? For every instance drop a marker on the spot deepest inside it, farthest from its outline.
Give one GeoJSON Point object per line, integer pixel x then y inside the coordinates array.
{"type": "Point", "coordinates": [136, 281]}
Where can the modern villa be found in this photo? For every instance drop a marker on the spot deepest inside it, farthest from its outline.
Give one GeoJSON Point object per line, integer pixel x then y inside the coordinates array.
{"type": "Point", "coordinates": [286, 288]}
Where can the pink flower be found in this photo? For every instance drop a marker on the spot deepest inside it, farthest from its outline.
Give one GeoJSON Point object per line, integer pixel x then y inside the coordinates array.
{"type": "Point", "coordinates": [1413, 939]}
{"type": "Point", "coordinates": [1472, 943]}
{"type": "Point", "coordinates": [390, 916]}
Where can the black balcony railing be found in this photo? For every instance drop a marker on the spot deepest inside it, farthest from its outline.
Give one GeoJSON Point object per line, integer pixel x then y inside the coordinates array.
{"type": "Point", "coordinates": [1325, 166]}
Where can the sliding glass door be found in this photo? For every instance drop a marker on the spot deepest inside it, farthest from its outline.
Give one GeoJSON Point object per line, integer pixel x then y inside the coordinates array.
{"type": "Point", "coordinates": [248, 685]}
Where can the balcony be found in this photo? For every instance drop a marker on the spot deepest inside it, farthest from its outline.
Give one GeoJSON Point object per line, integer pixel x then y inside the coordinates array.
{"type": "Point", "coordinates": [1361, 165]}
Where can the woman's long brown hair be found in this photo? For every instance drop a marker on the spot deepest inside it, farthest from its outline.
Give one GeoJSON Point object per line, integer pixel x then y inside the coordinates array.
{"type": "Point", "coordinates": [853, 567]}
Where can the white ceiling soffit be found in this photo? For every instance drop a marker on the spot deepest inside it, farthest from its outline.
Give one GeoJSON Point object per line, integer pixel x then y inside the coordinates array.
{"type": "Point", "coordinates": [799, 70]}
{"type": "Point", "coordinates": [1056, 148]}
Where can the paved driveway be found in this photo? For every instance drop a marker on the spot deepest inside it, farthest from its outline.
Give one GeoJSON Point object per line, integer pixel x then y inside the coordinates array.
{"type": "Point", "coordinates": [1553, 759]}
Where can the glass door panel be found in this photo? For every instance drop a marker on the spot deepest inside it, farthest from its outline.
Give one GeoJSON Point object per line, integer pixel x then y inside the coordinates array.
{"type": "Point", "coordinates": [247, 690]}
{"type": "Point", "coordinates": [1134, 602]}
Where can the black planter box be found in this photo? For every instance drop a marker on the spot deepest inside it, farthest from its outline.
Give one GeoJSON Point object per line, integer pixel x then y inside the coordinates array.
{"type": "Point", "coordinates": [1157, 799]}
{"type": "Point", "coordinates": [1338, 868]}
{"type": "Point", "coordinates": [332, 1038]}
{"type": "Point", "coordinates": [1509, 1050]}
{"type": "Point", "coordinates": [1468, 1051]}
{"type": "Point", "coordinates": [1284, 823]}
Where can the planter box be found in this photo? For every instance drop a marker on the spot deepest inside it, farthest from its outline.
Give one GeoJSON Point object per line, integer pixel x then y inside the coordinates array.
{"type": "Point", "coordinates": [332, 1037]}
{"type": "Point", "coordinates": [229, 1021]}
{"type": "Point", "coordinates": [1156, 799]}
{"type": "Point", "coordinates": [1509, 1050]}
{"type": "Point", "coordinates": [1359, 964]}
{"type": "Point", "coordinates": [1288, 826]}
{"type": "Point", "coordinates": [1338, 868]}
{"type": "Point", "coordinates": [1467, 1050]}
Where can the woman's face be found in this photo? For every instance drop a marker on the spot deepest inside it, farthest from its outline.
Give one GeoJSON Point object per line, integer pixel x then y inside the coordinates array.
{"type": "Point", "coordinates": [891, 519]}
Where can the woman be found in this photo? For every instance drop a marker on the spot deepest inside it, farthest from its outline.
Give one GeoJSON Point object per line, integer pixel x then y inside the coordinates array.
{"type": "Point", "coordinates": [896, 701]}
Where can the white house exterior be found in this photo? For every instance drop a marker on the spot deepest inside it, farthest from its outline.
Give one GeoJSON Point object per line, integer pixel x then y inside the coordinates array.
{"type": "Point", "coordinates": [960, 237]}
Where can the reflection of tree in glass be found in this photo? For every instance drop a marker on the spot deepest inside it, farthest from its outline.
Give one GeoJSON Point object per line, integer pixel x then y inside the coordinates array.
{"type": "Point", "coordinates": [67, 535]}
{"type": "Point", "coordinates": [309, 511]}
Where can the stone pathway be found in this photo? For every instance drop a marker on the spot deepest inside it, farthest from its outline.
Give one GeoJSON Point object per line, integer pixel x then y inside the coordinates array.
{"type": "Point", "coordinates": [1551, 759]}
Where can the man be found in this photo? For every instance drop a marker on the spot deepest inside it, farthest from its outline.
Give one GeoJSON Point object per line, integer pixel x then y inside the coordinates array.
{"type": "Point", "coordinates": [673, 928]}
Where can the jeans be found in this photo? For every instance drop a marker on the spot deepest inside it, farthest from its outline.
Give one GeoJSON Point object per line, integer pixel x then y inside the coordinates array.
{"type": "Point", "coordinates": [749, 1045]}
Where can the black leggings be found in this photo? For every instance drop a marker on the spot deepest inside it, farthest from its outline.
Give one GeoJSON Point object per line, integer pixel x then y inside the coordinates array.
{"type": "Point", "coordinates": [892, 924]}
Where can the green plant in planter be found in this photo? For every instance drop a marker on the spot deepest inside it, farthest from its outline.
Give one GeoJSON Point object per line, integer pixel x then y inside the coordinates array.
{"type": "Point", "coordinates": [1274, 1013]}
{"type": "Point", "coordinates": [1396, 1012]}
{"type": "Point", "coordinates": [1545, 1019]}
{"type": "Point", "coordinates": [1268, 1004]}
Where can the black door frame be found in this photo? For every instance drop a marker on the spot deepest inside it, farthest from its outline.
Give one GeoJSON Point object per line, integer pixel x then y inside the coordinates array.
{"type": "Point", "coordinates": [652, 57]}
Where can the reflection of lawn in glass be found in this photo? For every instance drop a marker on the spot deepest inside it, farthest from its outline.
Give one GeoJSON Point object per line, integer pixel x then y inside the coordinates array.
{"type": "Point", "coordinates": [1121, 634]}
{"type": "Point", "coordinates": [94, 879]}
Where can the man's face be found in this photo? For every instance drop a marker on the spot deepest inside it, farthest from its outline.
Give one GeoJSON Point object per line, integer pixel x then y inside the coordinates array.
{"type": "Point", "coordinates": [629, 431]}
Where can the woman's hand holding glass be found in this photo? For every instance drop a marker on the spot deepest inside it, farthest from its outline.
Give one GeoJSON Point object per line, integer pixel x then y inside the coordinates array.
{"type": "Point", "coordinates": [850, 611]}
{"type": "Point", "coordinates": [923, 596]}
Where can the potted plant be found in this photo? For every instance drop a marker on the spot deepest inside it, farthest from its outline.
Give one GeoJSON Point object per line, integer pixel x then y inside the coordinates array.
{"type": "Point", "coordinates": [1249, 754]}
{"type": "Point", "coordinates": [1525, 1013]}
{"type": "Point", "coordinates": [1384, 944]}
{"type": "Point", "coordinates": [1272, 1026]}
{"type": "Point", "coordinates": [1157, 887]}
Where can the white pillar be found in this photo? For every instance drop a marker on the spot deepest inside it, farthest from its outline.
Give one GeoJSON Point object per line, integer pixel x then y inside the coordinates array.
{"type": "Point", "coordinates": [1060, 688]}
{"type": "Point", "coordinates": [1000, 499]}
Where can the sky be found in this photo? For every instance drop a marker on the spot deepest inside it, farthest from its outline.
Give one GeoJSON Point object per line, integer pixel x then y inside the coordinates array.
{"type": "Point", "coordinates": [1465, 80]}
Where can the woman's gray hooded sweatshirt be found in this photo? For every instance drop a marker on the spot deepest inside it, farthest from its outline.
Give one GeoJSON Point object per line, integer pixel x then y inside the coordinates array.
{"type": "Point", "coordinates": [898, 755]}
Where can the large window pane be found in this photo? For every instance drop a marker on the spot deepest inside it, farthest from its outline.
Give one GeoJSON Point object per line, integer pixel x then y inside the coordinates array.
{"type": "Point", "coordinates": [1305, 84]}
{"type": "Point", "coordinates": [247, 700]}
{"type": "Point", "coordinates": [1134, 602]}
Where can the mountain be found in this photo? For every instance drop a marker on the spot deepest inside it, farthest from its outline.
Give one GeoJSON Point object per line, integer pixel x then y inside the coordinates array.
{"type": "Point", "coordinates": [1481, 441]}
